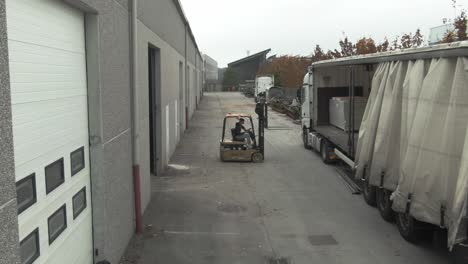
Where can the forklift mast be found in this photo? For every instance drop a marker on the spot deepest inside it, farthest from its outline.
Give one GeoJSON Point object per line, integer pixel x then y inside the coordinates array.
{"type": "Point", "coordinates": [260, 111]}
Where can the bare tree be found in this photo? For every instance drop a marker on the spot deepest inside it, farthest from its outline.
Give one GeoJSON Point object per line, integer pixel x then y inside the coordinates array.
{"type": "Point", "coordinates": [395, 44]}
{"type": "Point", "coordinates": [347, 47]}
{"type": "Point", "coordinates": [384, 46]}
{"type": "Point", "coordinates": [319, 54]}
{"type": "Point", "coordinates": [418, 38]}
{"type": "Point", "coordinates": [449, 37]}
{"type": "Point", "coordinates": [406, 40]}
{"type": "Point", "coordinates": [334, 53]}
{"type": "Point", "coordinates": [460, 25]}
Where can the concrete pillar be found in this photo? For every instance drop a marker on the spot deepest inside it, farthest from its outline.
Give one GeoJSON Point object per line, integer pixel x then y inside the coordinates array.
{"type": "Point", "coordinates": [9, 241]}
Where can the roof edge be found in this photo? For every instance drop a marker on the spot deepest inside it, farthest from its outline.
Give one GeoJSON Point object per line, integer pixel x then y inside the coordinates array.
{"type": "Point", "coordinates": [455, 49]}
{"type": "Point", "coordinates": [186, 22]}
{"type": "Point", "coordinates": [250, 57]}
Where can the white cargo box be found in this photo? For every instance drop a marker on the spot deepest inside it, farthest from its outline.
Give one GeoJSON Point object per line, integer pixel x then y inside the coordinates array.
{"type": "Point", "coordinates": [339, 112]}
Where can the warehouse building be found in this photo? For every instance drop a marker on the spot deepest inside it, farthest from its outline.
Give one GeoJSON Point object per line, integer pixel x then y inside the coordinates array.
{"type": "Point", "coordinates": [94, 97]}
{"type": "Point", "coordinates": [212, 82]}
{"type": "Point", "coordinates": [246, 68]}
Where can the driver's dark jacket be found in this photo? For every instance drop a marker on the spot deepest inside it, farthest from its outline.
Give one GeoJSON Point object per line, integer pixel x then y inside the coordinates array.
{"type": "Point", "coordinates": [238, 129]}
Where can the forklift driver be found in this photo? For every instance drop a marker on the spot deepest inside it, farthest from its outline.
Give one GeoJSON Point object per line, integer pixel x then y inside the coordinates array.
{"type": "Point", "coordinates": [240, 133]}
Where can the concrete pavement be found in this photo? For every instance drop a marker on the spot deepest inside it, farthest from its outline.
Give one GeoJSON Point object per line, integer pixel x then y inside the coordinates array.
{"type": "Point", "coordinates": [290, 209]}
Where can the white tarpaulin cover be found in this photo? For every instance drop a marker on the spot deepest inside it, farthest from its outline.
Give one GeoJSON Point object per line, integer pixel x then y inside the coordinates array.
{"type": "Point", "coordinates": [413, 139]}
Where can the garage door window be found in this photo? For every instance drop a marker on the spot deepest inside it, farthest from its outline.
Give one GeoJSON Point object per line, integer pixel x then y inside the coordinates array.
{"type": "Point", "coordinates": [54, 175]}
{"type": "Point", "coordinates": [77, 161]}
{"type": "Point", "coordinates": [26, 192]}
{"type": "Point", "coordinates": [29, 248]}
{"type": "Point", "coordinates": [57, 223]}
{"type": "Point", "coordinates": [79, 202]}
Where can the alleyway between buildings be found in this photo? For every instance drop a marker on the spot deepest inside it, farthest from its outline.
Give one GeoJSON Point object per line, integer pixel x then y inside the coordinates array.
{"type": "Point", "coordinates": [290, 209]}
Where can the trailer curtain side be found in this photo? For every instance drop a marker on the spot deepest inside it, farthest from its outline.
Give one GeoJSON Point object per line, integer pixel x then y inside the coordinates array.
{"type": "Point", "coordinates": [413, 139]}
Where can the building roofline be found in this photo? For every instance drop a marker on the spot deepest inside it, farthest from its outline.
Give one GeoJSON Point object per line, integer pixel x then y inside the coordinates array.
{"type": "Point", "coordinates": [264, 52]}
{"type": "Point", "coordinates": [186, 22]}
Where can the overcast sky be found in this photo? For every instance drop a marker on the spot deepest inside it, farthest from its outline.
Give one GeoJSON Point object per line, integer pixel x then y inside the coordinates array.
{"type": "Point", "coordinates": [226, 29]}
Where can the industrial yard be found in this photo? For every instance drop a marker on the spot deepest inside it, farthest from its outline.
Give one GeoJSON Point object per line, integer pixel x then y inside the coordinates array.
{"type": "Point", "coordinates": [233, 132]}
{"type": "Point", "coordinates": [291, 208]}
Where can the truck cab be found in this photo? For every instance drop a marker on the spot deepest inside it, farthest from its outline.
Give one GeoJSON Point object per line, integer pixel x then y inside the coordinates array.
{"type": "Point", "coordinates": [306, 100]}
{"type": "Point", "coordinates": [262, 85]}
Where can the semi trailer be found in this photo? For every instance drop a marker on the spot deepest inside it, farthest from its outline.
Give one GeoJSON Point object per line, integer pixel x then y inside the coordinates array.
{"type": "Point", "coordinates": [408, 144]}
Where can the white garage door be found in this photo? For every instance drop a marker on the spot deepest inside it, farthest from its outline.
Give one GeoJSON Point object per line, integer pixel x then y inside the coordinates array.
{"type": "Point", "coordinates": [50, 130]}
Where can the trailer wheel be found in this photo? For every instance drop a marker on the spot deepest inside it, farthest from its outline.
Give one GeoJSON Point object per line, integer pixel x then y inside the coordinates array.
{"type": "Point", "coordinates": [324, 153]}
{"type": "Point", "coordinates": [369, 193]}
{"type": "Point", "coordinates": [439, 238]}
{"type": "Point", "coordinates": [460, 254]}
{"type": "Point", "coordinates": [408, 227]}
{"type": "Point", "coordinates": [384, 204]}
{"type": "Point", "coordinates": [305, 138]}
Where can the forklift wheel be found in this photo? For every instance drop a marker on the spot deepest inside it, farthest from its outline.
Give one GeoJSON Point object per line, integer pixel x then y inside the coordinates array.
{"type": "Point", "coordinates": [257, 157]}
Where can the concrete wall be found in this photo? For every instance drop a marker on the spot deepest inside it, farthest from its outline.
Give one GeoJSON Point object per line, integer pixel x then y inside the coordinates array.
{"type": "Point", "coordinates": [163, 19]}
{"type": "Point", "coordinates": [8, 210]}
{"type": "Point", "coordinates": [213, 86]}
{"type": "Point", "coordinates": [169, 103]}
{"type": "Point", "coordinates": [109, 75]}
{"type": "Point", "coordinates": [211, 68]}
{"type": "Point", "coordinates": [191, 82]}
{"type": "Point", "coordinates": [191, 52]}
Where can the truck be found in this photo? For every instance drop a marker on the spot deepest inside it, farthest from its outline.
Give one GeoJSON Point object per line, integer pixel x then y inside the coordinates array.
{"type": "Point", "coordinates": [399, 119]}
{"type": "Point", "coordinates": [262, 84]}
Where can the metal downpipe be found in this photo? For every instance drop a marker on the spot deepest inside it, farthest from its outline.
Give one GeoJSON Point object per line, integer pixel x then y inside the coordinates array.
{"type": "Point", "coordinates": [134, 114]}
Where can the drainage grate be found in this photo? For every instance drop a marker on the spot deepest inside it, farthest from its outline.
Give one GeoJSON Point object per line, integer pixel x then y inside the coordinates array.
{"type": "Point", "coordinates": [279, 128]}
{"type": "Point", "coordinates": [231, 208]}
{"type": "Point", "coordinates": [272, 260]}
{"type": "Point", "coordinates": [322, 240]}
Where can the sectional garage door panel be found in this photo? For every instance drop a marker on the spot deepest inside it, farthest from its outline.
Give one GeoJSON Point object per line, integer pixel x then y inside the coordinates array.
{"type": "Point", "coordinates": [47, 23]}
{"type": "Point", "coordinates": [47, 60]}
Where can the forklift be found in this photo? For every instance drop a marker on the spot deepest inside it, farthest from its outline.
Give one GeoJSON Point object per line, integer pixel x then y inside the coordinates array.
{"type": "Point", "coordinates": [233, 150]}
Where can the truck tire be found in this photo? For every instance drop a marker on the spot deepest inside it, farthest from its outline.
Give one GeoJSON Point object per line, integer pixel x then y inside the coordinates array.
{"type": "Point", "coordinates": [324, 153]}
{"type": "Point", "coordinates": [305, 138]}
{"type": "Point", "coordinates": [369, 193]}
{"type": "Point", "coordinates": [439, 239]}
{"type": "Point", "coordinates": [460, 254]}
{"type": "Point", "coordinates": [384, 205]}
{"type": "Point", "coordinates": [408, 227]}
